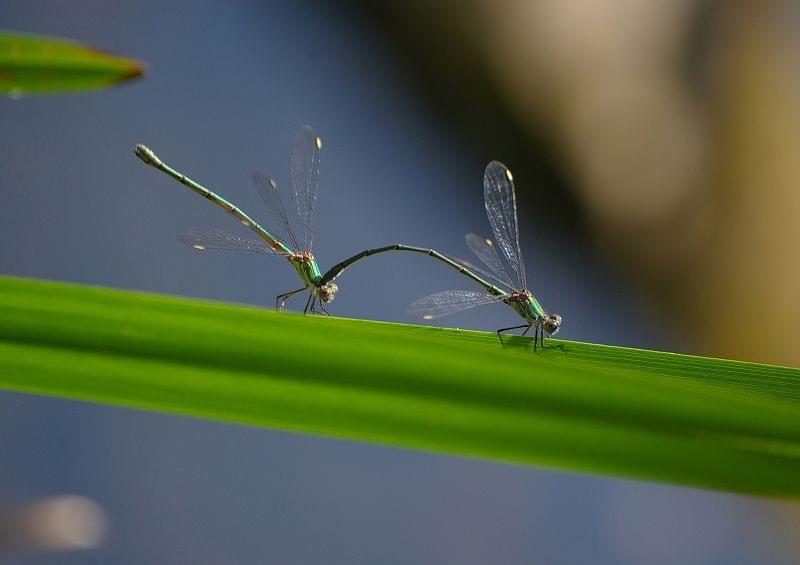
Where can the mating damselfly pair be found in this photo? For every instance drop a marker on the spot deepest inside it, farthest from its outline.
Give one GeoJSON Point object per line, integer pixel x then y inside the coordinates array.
{"type": "Point", "coordinates": [501, 209]}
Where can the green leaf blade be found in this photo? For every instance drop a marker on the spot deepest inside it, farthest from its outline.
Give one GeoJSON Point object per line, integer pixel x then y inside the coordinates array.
{"type": "Point", "coordinates": [32, 64]}
{"type": "Point", "coordinates": [588, 408]}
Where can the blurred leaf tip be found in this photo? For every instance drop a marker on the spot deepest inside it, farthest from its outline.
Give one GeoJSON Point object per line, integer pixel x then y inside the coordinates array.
{"type": "Point", "coordinates": [38, 64]}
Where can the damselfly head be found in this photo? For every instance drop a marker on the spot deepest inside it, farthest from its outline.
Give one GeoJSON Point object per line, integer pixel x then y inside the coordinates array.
{"type": "Point", "coordinates": [551, 324]}
{"type": "Point", "coordinates": [327, 292]}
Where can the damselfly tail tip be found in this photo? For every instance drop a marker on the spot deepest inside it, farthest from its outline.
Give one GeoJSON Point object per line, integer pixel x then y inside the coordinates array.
{"type": "Point", "coordinates": [146, 155]}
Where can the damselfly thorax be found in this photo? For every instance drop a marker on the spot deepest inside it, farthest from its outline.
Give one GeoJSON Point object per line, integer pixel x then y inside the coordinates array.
{"type": "Point", "coordinates": [302, 257]}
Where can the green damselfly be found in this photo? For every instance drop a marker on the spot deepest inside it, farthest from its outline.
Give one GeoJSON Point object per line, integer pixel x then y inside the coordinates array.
{"type": "Point", "coordinates": [304, 184]}
{"type": "Point", "coordinates": [499, 286]}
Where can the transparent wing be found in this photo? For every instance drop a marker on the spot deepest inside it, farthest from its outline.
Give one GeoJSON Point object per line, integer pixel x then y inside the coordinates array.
{"type": "Point", "coordinates": [484, 249]}
{"type": "Point", "coordinates": [482, 272]}
{"type": "Point", "coordinates": [267, 188]}
{"type": "Point", "coordinates": [221, 240]}
{"type": "Point", "coordinates": [448, 302]}
{"type": "Point", "coordinates": [501, 208]}
{"type": "Point", "coordinates": [304, 177]}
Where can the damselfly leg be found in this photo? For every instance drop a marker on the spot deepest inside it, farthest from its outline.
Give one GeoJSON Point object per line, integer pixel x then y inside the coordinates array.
{"type": "Point", "coordinates": [280, 300]}
{"type": "Point", "coordinates": [500, 335]}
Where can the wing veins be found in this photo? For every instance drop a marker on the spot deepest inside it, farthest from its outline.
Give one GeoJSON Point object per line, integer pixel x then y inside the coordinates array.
{"type": "Point", "coordinates": [501, 209]}
{"type": "Point", "coordinates": [267, 189]}
{"type": "Point", "coordinates": [449, 302]}
{"type": "Point", "coordinates": [221, 240]}
{"type": "Point", "coordinates": [305, 179]}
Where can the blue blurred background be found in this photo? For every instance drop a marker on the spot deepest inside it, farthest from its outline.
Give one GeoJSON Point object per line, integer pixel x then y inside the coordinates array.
{"type": "Point", "coordinates": [614, 119]}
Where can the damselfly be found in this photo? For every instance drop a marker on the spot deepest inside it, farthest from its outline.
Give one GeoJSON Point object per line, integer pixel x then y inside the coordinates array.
{"type": "Point", "coordinates": [304, 184]}
{"type": "Point", "coordinates": [499, 286]}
